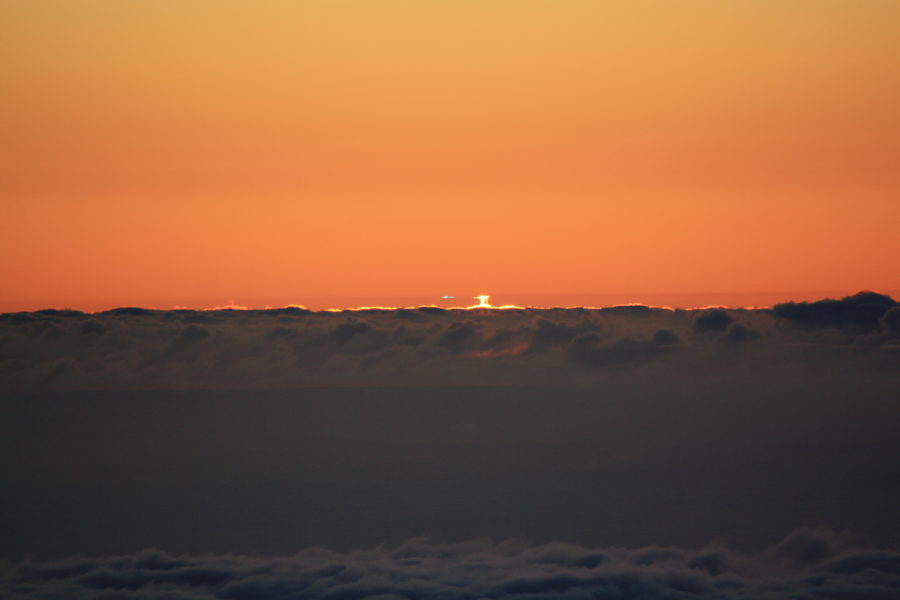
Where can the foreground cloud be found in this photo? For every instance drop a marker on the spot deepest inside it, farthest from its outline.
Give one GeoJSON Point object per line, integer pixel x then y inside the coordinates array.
{"type": "Point", "coordinates": [136, 348]}
{"type": "Point", "coordinates": [807, 564]}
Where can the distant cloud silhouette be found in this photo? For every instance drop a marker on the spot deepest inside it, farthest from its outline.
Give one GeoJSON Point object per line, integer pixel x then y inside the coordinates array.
{"type": "Point", "coordinates": [131, 311]}
{"type": "Point", "coordinates": [588, 349]}
{"type": "Point", "coordinates": [890, 322]}
{"type": "Point", "coordinates": [459, 337]}
{"type": "Point", "coordinates": [550, 334]}
{"type": "Point", "coordinates": [192, 334]}
{"type": "Point", "coordinates": [92, 326]}
{"type": "Point", "coordinates": [344, 332]}
{"type": "Point", "coordinates": [713, 320]}
{"type": "Point", "coordinates": [738, 333]}
{"type": "Point", "coordinates": [664, 337]}
{"type": "Point", "coordinates": [862, 310]}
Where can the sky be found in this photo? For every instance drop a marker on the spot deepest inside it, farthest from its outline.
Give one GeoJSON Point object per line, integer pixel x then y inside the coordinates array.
{"type": "Point", "coordinates": [348, 152]}
{"type": "Point", "coordinates": [240, 248]}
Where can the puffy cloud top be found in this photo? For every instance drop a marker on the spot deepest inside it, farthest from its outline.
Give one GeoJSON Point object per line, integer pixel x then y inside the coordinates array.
{"type": "Point", "coordinates": [862, 310]}
{"type": "Point", "coordinates": [807, 564]}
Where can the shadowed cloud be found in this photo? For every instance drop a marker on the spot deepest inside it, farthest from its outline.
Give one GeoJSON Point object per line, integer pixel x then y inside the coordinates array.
{"type": "Point", "coordinates": [862, 311]}
{"type": "Point", "coordinates": [807, 564]}
{"type": "Point", "coordinates": [136, 348]}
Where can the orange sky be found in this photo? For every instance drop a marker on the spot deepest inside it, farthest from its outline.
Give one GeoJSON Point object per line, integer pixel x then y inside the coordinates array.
{"type": "Point", "coordinates": [193, 152]}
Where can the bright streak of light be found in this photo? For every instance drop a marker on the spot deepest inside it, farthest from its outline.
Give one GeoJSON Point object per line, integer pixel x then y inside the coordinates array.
{"type": "Point", "coordinates": [483, 304]}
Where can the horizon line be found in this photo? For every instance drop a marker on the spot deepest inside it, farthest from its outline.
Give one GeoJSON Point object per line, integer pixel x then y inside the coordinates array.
{"type": "Point", "coordinates": [483, 304]}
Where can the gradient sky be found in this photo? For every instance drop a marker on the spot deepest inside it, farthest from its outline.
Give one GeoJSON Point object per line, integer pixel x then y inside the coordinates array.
{"type": "Point", "coordinates": [194, 152]}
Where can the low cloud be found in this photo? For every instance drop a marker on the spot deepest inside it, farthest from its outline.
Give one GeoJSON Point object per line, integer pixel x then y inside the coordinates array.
{"type": "Point", "coordinates": [861, 311]}
{"type": "Point", "coordinates": [589, 350]}
{"type": "Point", "coordinates": [807, 564]}
{"type": "Point", "coordinates": [459, 337]}
{"type": "Point", "coordinates": [137, 348]}
{"type": "Point", "coordinates": [713, 320]}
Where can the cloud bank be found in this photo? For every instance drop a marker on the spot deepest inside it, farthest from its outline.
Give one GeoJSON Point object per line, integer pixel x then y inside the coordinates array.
{"type": "Point", "coordinates": [807, 564]}
{"type": "Point", "coordinates": [260, 432]}
{"type": "Point", "coordinates": [136, 348]}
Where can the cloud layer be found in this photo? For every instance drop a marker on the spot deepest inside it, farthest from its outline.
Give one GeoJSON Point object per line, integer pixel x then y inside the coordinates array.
{"type": "Point", "coordinates": [135, 348]}
{"type": "Point", "coordinates": [615, 428]}
{"type": "Point", "coordinates": [807, 564]}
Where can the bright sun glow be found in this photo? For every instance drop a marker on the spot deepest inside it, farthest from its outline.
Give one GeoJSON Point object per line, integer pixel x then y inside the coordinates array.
{"type": "Point", "coordinates": [483, 301]}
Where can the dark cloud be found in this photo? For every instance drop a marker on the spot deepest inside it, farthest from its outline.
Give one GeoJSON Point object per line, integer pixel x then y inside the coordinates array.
{"type": "Point", "coordinates": [550, 334]}
{"type": "Point", "coordinates": [504, 338]}
{"type": "Point", "coordinates": [191, 335]}
{"type": "Point", "coordinates": [890, 322]}
{"type": "Point", "coordinates": [627, 309]}
{"type": "Point", "coordinates": [293, 311]}
{"type": "Point", "coordinates": [199, 317]}
{"type": "Point", "coordinates": [282, 333]}
{"type": "Point", "coordinates": [805, 547]}
{"type": "Point", "coordinates": [713, 320]}
{"type": "Point", "coordinates": [738, 333]}
{"type": "Point", "coordinates": [459, 337]}
{"type": "Point", "coordinates": [135, 348]}
{"type": "Point", "coordinates": [131, 311]}
{"type": "Point", "coordinates": [862, 310]}
{"type": "Point", "coordinates": [60, 313]}
{"type": "Point", "coordinates": [407, 314]}
{"type": "Point", "coordinates": [92, 326]}
{"type": "Point", "coordinates": [663, 337]}
{"type": "Point", "coordinates": [588, 349]}
{"type": "Point", "coordinates": [344, 332]}
{"type": "Point", "coordinates": [614, 428]}
{"type": "Point", "coordinates": [18, 318]}
{"type": "Point", "coordinates": [476, 569]}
